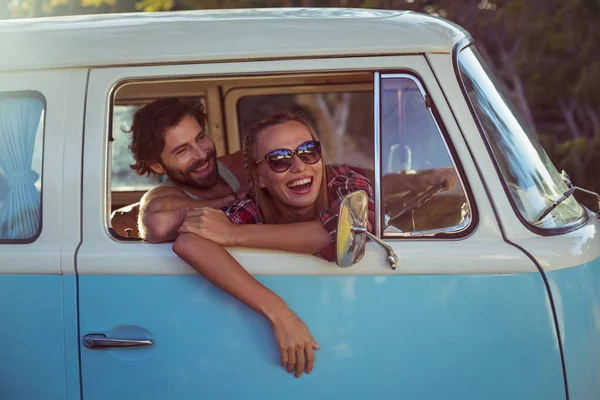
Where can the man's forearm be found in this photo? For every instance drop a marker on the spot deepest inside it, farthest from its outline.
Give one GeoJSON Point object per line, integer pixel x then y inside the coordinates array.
{"type": "Point", "coordinates": [215, 264]}
{"type": "Point", "coordinates": [301, 237]}
{"type": "Point", "coordinates": [161, 217]}
{"type": "Point", "coordinates": [161, 226]}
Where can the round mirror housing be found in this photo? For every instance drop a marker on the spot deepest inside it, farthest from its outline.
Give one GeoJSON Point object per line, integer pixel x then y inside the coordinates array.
{"type": "Point", "coordinates": [352, 232]}
{"type": "Point", "coordinates": [352, 229]}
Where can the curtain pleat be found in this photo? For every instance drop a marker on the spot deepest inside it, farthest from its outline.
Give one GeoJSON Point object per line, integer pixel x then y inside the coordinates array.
{"type": "Point", "coordinates": [19, 120]}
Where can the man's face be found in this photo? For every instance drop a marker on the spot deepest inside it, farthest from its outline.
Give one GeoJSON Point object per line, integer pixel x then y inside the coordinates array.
{"type": "Point", "coordinates": [189, 157]}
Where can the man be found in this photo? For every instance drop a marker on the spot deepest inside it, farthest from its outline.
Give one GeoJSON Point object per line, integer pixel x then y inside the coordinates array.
{"type": "Point", "coordinates": [169, 137]}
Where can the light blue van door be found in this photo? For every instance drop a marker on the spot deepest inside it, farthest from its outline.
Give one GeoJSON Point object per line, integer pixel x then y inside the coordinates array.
{"type": "Point", "coordinates": [39, 232]}
{"type": "Point", "coordinates": [465, 315]}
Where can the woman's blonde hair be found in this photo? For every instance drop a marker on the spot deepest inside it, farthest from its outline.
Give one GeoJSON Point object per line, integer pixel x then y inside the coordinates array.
{"type": "Point", "coordinates": [267, 206]}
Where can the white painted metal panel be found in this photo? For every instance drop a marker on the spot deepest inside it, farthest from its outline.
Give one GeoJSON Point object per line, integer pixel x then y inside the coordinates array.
{"type": "Point", "coordinates": [63, 118]}
{"type": "Point", "coordinates": [482, 252]}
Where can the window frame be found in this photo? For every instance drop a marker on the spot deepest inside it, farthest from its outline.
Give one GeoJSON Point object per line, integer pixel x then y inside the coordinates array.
{"type": "Point", "coordinates": [38, 95]}
{"type": "Point", "coordinates": [230, 131]}
{"type": "Point", "coordinates": [573, 226]}
{"type": "Point", "coordinates": [457, 232]}
{"type": "Point", "coordinates": [234, 95]}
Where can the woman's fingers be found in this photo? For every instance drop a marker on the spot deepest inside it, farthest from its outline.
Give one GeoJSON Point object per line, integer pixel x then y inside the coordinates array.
{"type": "Point", "coordinates": [284, 356]}
{"type": "Point", "coordinates": [291, 359]}
{"type": "Point", "coordinates": [300, 361]}
{"type": "Point", "coordinates": [185, 227]}
{"type": "Point", "coordinates": [295, 342]}
{"type": "Point", "coordinates": [195, 212]}
{"type": "Point", "coordinates": [310, 358]}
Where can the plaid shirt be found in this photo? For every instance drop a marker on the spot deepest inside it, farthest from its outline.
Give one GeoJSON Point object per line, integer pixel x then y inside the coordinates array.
{"type": "Point", "coordinates": [341, 181]}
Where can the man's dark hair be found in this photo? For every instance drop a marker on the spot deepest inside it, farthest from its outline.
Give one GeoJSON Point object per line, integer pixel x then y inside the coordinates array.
{"type": "Point", "coordinates": [150, 124]}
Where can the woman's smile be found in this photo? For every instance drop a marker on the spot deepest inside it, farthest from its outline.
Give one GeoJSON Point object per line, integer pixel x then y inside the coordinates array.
{"type": "Point", "coordinates": [301, 185]}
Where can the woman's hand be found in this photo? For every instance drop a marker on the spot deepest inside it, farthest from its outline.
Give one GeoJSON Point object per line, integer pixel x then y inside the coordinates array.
{"type": "Point", "coordinates": [296, 344]}
{"type": "Point", "coordinates": [210, 224]}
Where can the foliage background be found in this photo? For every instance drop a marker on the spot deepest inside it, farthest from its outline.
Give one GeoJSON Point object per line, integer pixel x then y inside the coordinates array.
{"type": "Point", "coordinates": [546, 52]}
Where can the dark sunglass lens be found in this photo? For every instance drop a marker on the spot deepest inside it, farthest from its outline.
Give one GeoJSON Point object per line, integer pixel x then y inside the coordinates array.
{"type": "Point", "coordinates": [280, 160]}
{"type": "Point", "coordinates": [310, 152]}
{"type": "Point", "coordinates": [280, 164]}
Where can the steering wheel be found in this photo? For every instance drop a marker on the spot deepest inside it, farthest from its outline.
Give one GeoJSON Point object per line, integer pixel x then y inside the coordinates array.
{"type": "Point", "coordinates": [411, 204]}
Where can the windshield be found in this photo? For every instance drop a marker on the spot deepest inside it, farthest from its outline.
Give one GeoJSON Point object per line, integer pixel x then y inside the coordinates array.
{"type": "Point", "coordinates": [530, 177]}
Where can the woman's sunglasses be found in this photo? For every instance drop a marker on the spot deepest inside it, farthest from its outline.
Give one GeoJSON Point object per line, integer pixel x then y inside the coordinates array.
{"type": "Point", "coordinates": [280, 160]}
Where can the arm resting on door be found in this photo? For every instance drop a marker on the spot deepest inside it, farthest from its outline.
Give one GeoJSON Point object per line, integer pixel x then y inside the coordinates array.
{"type": "Point", "coordinates": [214, 263]}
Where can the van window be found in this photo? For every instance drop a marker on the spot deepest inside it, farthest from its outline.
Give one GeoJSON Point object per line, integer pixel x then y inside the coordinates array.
{"type": "Point", "coordinates": [343, 120]}
{"type": "Point", "coordinates": [342, 114]}
{"type": "Point", "coordinates": [529, 176]}
{"type": "Point", "coordinates": [21, 142]}
{"type": "Point", "coordinates": [413, 153]}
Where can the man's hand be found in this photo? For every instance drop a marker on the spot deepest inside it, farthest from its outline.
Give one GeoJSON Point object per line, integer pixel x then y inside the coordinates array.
{"type": "Point", "coordinates": [296, 344]}
{"type": "Point", "coordinates": [210, 224]}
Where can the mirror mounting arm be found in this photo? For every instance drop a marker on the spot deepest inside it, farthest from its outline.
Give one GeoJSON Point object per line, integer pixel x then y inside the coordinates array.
{"type": "Point", "coordinates": [392, 258]}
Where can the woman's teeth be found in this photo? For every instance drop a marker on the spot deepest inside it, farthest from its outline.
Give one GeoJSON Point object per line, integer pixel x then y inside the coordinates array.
{"type": "Point", "coordinates": [300, 183]}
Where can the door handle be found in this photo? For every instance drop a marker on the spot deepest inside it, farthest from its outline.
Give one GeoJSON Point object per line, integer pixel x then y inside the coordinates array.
{"type": "Point", "coordinates": [100, 341]}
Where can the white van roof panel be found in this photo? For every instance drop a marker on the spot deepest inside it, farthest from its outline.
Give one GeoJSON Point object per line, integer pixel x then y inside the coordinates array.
{"type": "Point", "coordinates": [200, 36]}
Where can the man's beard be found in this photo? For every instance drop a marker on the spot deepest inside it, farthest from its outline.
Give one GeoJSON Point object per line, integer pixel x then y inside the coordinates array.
{"type": "Point", "coordinates": [185, 177]}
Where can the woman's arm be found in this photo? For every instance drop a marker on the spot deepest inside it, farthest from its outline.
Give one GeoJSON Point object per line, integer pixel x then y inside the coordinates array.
{"type": "Point", "coordinates": [213, 262]}
{"type": "Point", "coordinates": [300, 237]}
{"type": "Point", "coordinates": [315, 237]}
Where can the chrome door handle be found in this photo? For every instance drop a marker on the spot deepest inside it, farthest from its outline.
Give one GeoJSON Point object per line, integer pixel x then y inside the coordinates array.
{"type": "Point", "coordinates": [100, 341]}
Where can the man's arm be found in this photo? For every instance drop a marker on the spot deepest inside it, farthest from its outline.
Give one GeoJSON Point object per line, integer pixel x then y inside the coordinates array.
{"type": "Point", "coordinates": [163, 209]}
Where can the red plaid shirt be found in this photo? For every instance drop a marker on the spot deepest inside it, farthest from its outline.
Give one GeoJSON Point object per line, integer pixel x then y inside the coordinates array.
{"type": "Point", "coordinates": [341, 181]}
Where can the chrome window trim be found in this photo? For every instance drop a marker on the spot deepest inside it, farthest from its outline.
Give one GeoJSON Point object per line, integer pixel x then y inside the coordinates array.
{"type": "Point", "coordinates": [460, 228]}
{"type": "Point", "coordinates": [377, 150]}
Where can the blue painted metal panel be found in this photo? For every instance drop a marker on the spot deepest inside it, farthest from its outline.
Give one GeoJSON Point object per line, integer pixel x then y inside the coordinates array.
{"type": "Point", "coordinates": [576, 293]}
{"type": "Point", "coordinates": [426, 337]}
{"type": "Point", "coordinates": [71, 326]}
{"type": "Point", "coordinates": [32, 352]}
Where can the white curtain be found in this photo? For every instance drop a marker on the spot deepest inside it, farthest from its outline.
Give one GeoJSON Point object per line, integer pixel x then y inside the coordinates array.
{"type": "Point", "coordinates": [20, 212]}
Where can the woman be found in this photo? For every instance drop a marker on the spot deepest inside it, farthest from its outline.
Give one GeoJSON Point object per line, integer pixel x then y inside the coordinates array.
{"type": "Point", "coordinates": [291, 207]}
{"type": "Point", "coordinates": [287, 173]}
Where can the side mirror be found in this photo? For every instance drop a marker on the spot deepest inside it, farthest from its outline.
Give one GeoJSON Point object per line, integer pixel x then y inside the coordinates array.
{"type": "Point", "coordinates": [352, 232]}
